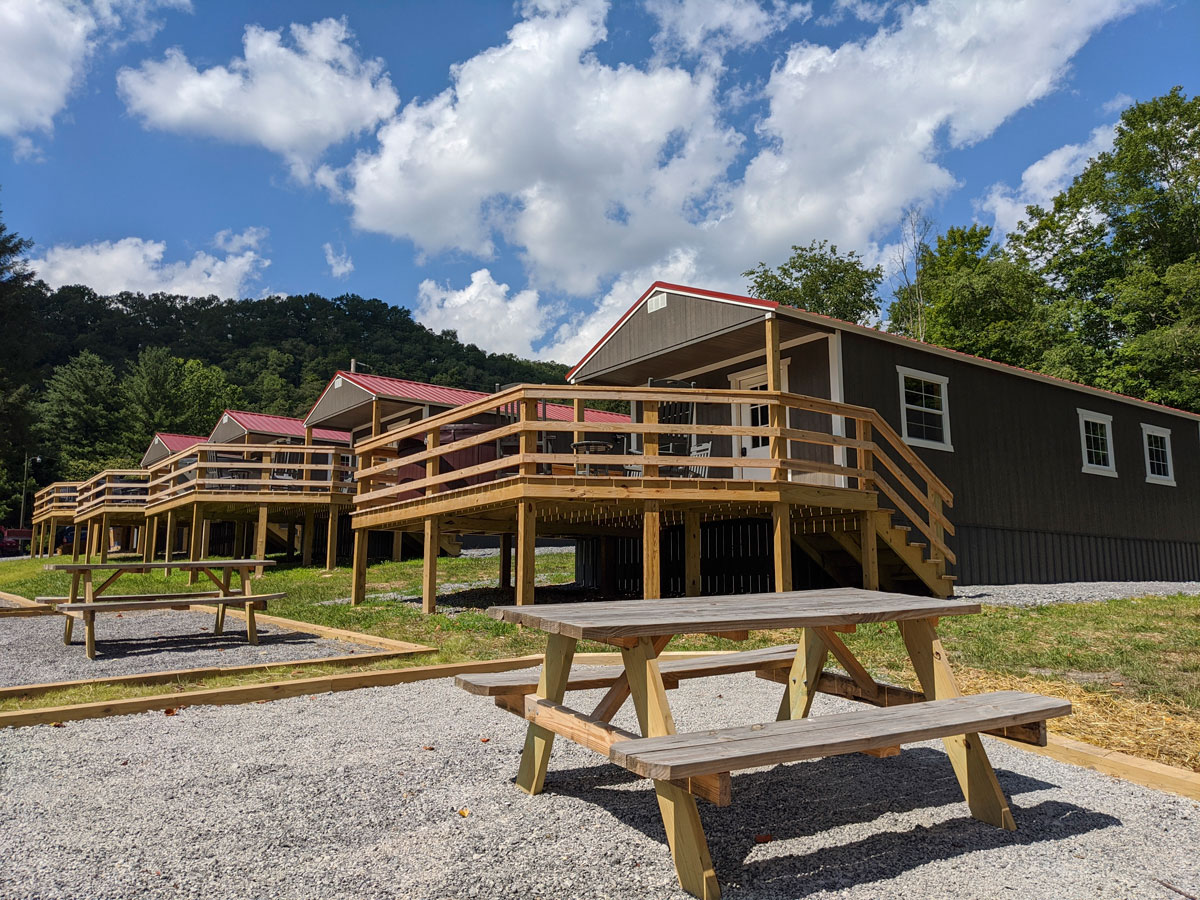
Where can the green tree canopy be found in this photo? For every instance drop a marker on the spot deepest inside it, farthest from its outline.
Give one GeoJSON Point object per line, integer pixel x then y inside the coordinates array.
{"type": "Point", "coordinates": [78, 415]}
{"type": "Point", "coordinates": [819, 279]}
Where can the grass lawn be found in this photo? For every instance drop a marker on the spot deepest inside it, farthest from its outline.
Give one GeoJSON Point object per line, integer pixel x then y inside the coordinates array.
{"type": "Point", "coordinates": [1132, 667]}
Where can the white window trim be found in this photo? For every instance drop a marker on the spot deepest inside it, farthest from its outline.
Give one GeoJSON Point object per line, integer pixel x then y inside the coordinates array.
{"type": "Point", "coordinates": [1148, 430]}
{"type": "Point", "coordinates": [1086, 415]}
{"type": "Point", "coordinates": [946, 445]}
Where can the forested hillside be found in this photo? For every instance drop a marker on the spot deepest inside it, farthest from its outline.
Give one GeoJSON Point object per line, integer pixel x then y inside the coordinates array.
{"type": "Point", "coordinates": [86, 380]}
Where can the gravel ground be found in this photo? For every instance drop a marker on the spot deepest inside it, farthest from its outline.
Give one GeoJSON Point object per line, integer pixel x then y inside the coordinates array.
{"type": "Point", "coordinates": [1070, 592]}
{"type": "Point", "coordinates": [406, 792]}
{"type": "Point", "coordinates": [32, 649]}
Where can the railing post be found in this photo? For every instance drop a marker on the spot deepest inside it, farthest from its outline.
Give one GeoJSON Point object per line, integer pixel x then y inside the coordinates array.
{"type": "Point", "coordinates": [650, 440]}
{"type": "Point", "coordinates": [939, 532]}
{"type": "Point", "coordinates": [580, 434]}
{"type": "Point", "coordinates": [358, 569]}
{"type": "Point", "coordinates": [433, 465]}
{"type": "Point", "coordinates": [776, 415]}
{"type": "Point", "coordinates": [866, 459]}
{"type": "Point", "coordinates": [528, 444]}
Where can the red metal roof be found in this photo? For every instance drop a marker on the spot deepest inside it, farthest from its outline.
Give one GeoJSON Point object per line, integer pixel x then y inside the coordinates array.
{"type": "Point", "coordinates": [176, 442]}
{"type": "Point", "coordinates": [870, 332]}
{"type": "Point", "coordinates": [282, 426]}
{"type": "Point", "coordinates": [436, 394]}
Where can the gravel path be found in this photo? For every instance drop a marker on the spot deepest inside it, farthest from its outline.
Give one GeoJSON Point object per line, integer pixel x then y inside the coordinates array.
{"type": "Point", "coordinates": [1070, 592]}
{"type": "Point", "coordinates": [32, 650]}
{"type": "Point", "coordinates": [394, 792]}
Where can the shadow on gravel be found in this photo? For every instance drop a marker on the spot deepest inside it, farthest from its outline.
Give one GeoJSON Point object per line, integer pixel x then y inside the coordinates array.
{"type": "Point", "coordinates": [804, 800]}
{"type": "Point", "coordinates": [133, 647]}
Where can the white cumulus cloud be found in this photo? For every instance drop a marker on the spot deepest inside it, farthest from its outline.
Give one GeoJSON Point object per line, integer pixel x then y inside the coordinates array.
{"type": "Point", "coordinates": [710, 27]}
{"type": "Point", "coordinates": [485, 313]}
{"type": "Point", "coordinates": [1042, 180]}
{"type": "Point", "coordinates": [45, 46]}
{"type": "Point", "coordinates": [294, 98]}
{"type": "Point", "coordinates": [340, 264]}
{"type": "Point", "coordinates": [140, 266]}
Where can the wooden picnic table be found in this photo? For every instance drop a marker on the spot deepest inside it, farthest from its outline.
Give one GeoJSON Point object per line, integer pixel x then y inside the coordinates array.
{"type": "Point", "coordinates": [95, 598]}
{"type": "Point", "coordinates": [684, 766]}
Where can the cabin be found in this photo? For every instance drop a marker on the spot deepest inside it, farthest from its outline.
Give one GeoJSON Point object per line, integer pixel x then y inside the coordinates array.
{"type": "Point", "coordinates": [1053, 481]}
{"type": "Point", "coordinates": [766, 448]}
{"type": "Point", "coordinates": [53, 508]}
{"type": "Point", "coordinates": [165, 444]}
{"type": "Point", "coordinates": [256, 479]}
{"type": "Point", "coordinates": [110, 501]}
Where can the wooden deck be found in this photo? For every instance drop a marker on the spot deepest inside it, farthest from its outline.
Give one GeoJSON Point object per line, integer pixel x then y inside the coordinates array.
{"type": "Point", "coordinates": [53, 508]}
{"type": "Point", "coordinates": [834, 480]}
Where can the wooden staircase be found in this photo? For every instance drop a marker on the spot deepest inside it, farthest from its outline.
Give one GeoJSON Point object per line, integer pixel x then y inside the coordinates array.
{"type": "Point", "coordinates": [905, 566]}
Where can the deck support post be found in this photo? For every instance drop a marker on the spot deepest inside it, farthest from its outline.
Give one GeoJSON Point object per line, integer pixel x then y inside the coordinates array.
{"type": "Point", "coordinates": [331, 540]}
{"type": "Point", "coordinates": [433, 542]}
{"type": "Point", "coordinates": [75, 543]}
{"type": "Point", "coordinates": [196, 540]}
{"type": "Point", "coordinates": [651, 551]}
{"type": "Point", "coordinates": [306, 549]}
{"type": "Point", "coordinates": [358, 574]}
{"type": "Point", "coordinates": [781, 534]}
{"type": "Point", "coordinates": [152, 537]}
{"type": "Point", "coordinates": [506, 548]}
{"type": "Point", "coordinates": [291, 541]}
{"type": "Point", "coordinates": [146, 539]}
{"type": "Point", "coordinates": [169, 545]}
{"type": "Point", "coordinates": [260, 539]}
{"type": "Point", "coordinates": [691, 549]}
{"type": "Point", "coordinates": [104, 538]}
{"type": "Point", "coordinates": [239, 540]}
{"type": "Point", "coordinates": [397, 546]}
{"type": "Point", "coordinates": [869, 542]}
{"type": "Point", "coordinates": [526, 551]}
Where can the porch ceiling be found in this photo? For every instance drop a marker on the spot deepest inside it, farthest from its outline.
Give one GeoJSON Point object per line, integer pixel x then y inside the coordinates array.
{"type": "Point", "coordinates": [712, 349]}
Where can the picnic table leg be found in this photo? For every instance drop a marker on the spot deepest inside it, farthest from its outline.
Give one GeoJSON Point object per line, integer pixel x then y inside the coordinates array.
{"type": "Point", "coordinates": [219, 627]}
{"type": "Point", "coordinates": [967, 754]}
{"type": "Point", "coordinates": [89, 620]}
{"type": "Point", "coordinates": [72, 596]}
{"type": "Point", "coordinates": [807, 667]}
{"type": "Point", "coordinates": [556, 669]}
{"type": "Point", "coordinates": [681, 818]}
{"type": "Point", "coordinates": [251, 625]}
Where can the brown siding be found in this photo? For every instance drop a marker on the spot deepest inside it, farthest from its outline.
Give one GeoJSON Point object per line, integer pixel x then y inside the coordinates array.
{"type": "Point", "coordinates": [1016, 467]}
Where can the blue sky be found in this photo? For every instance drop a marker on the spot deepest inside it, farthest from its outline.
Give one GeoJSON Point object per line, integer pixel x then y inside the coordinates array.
{"type": "Point", "coordinates": [521, 172]}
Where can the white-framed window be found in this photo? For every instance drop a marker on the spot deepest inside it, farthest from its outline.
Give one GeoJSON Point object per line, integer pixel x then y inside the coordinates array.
{"type": "Point", "coordinates": [1096, 443]}
{"type": "Point", "coordinates": [1156, 445]}
{"type": "Point", "coordinates": [924, 409]}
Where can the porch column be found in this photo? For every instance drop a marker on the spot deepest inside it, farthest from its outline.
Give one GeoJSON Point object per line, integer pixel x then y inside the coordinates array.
{"type": "Point", "coordinates": [331, 539]}
{"type": "Point", "coordinates": [260, 539]}
{"type": "Point", "coordinates": [691, 549]}
{"type": "Point", "coordinates": [306, 549]}
{"type": "Point", "coordinates": [781, 530]}
{"type": "Point", "coordinates": [526, 551]}
{"type": "Point", "coordinates": [429, 569]}
{"type": "Point", "coordinates": [651, 555]}
{"type": "Point", "coordinates": [506, 547]}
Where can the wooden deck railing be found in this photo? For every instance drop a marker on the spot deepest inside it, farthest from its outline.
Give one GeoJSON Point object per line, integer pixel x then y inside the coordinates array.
{"type": "Point", "coordinates": [124, 489]}
{"type": "Point", "coordinates": [275, 471]}
{"type": "Point", "coordinates": [744, 435]}
{"type": "Point", "coordinates": [57, 499]}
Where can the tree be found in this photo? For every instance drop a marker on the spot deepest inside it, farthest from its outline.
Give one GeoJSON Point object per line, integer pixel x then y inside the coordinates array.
{"type": "Point", "coordinates": [152, 398]}
{"type": "Point", "coordinates": [78, 415]}
{"type": "Point", "coordinates": [204, 393]}
{"type": "Point", "coordinates": [906, 315]}
{"type": "Point", "coordinates": [819, 279]}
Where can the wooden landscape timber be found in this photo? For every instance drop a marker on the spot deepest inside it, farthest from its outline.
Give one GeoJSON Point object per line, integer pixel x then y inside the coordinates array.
{"type": "Point", "coordinates": [848, 495]}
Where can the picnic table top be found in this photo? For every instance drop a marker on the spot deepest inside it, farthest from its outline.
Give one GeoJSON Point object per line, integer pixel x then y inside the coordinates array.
{"type": "Point", "coordinates": [178, 564]}
{"type": "Point", "coordinates": [693, 615]}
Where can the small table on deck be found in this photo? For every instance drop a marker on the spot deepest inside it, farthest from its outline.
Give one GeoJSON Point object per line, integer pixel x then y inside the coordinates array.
{"type": "Point", "coordinates": [223, 595]}
{"type": "Point", "coordinates": [685, 766]}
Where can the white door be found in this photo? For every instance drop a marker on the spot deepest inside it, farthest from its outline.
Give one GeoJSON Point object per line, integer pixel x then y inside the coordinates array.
{"type": "Point", "coordinates": [754, 415]}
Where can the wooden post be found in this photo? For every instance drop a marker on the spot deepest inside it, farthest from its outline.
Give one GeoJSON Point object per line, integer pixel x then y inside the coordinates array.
{"type": "Point", "coordinates": [866, 459]}
{"type": "Point", "coordinates": [807, 666]}
{"type": "Point", "coordinates": [506, 548]}
{"type": "Point", "coordinates": [104, 538]}
{"type": "Point", "coordinates": [151, 538]}
{"type": "Point", "coordinates": [306, 549]}
{"type": "Point", "coordinates": [291, 540]}
{"type": "Point", "coordinates": [651, 551]}
{"type": "Point", "coordinates": [260, 539]}
{"type": "Point", "coordinates": [397, 545]}
{"type": "Point", "coordinates": [358, 577]}
{"type": "Point", "coordinates": [239, 540]}
{"type": "Point", "coordinates": [650, 442]}
{"type": "Point", "coordinates": [195, 542]}
{"type": "Point", "coordinates": [169, 546]}
{"type": "Point", "coordinates": [429, 569]}
{"type": "Point", "coordinates": [528, 441]}
{"type": "Point", "coordinates": [75, 542]}
{"type": "Point", "coordinates": [308, 434]}
{"type": "Point", "coordinates": [35, 546]}
{"type": "Point", "coordinates": [975, 776]}
{"type": "Point", "coordinates": [580, 433]}
{"type": "Point", "coordinates": [870, 550]}
{"type": "Point", "coordinates": [145, 539]}
{"type": "Point", "coordinates": [691, 549]}
{"type": "Point", "coordinates": [433, 465]}
{"type": "Point", "coordinates": [526, 551]}
{"type": "Point", "coordinates": [331, 539]}
{"type": "Point", "coordinates": [376, 418]}
{"type": "Point", "coordinates": [552, 685]}
{"type": "Point", "coordinates": [781, 541]}
{"type": "Point", "coordinates": [939, 531]}
{"type": "Point", "coordinates": [776, 415]}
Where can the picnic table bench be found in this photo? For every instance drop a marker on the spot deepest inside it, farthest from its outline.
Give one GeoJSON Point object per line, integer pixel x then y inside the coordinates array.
{"type": "Point", "coordinates": [96, 601]}
{"type": "Point", "coordinates": [684, 766]}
